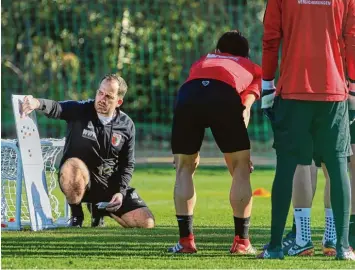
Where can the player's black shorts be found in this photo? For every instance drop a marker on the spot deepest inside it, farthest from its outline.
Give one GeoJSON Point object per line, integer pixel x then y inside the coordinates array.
{"type": "Point", "coordinates": [206, 103]}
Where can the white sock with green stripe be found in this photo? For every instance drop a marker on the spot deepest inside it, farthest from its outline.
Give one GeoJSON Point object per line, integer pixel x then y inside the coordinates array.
{"type": "Point", "coordinates": [303, 226]}
{"type": "Point", "coordinates": [329, 232]}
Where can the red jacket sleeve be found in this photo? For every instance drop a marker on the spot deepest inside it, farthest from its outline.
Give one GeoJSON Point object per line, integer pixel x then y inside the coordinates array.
{"type": "Point", "coordinates": [349, 37]}
{"type": "Point", "coordinates": [271, 38]}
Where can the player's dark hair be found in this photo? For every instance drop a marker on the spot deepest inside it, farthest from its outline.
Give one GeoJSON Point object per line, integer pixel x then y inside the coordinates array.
{"type": "Point", "coordinates": [122, 85]}
{"type": "Point", "coordinates": [233, 42]}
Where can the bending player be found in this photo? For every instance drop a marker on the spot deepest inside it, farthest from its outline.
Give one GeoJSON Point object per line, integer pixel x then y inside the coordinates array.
{"type": "Point", "coordinates": [98, 159]}
{"type": "Point", "coordinates": [218, 94]}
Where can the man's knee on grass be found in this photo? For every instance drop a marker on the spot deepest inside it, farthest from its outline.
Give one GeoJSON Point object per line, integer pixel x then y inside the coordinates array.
{"type": "Point", "coordinates": [74, 177]}
{"type": "Point", "coordinates": [138, 218]}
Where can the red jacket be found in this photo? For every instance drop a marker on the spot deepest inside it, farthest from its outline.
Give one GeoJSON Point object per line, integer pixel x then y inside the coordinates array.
{"type": "Point", "coordinates": [239, 72]}
{"type": "Point", "coordinates": [318, 47]}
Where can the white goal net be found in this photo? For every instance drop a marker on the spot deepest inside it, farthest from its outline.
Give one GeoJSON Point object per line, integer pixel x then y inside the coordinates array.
{"type": "Point", "coordinates": [14, 206]}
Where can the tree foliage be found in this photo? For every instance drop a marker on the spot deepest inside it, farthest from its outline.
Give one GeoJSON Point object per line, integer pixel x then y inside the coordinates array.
{"type": "Point", "coordinates": [59, 49]}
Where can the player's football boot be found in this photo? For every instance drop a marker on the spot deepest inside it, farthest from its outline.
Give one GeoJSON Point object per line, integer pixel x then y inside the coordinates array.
{"type": "Point", "coordinates": [345, 255]}
{"type": "Point", "coordinates": [276, 254]}
{"type": "Point", "coordinates": [329, 248]}
{"type": "Point", "coordinates": [242, 246]}
{"type": "Point", "coordinates": [296, 250]}
{"type": "Point", "coordinates": [287, 241]}
{"type": "Point", "coordinates": [185, 245]}
{"type": "Point", "coordinates": [76, 221]}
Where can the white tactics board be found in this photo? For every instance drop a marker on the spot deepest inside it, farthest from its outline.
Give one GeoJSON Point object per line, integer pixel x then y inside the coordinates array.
{"type": "Point", "coordinates": [33, 168]}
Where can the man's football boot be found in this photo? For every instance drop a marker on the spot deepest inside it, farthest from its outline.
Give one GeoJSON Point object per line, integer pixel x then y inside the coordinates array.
{"type": "Point", "coordinates": [185, 245]}
{"type": "Point", "coordinates": [76, 221]}
{"type": "Point", "coordinates": [242, 246]}
{"type": "Point", "coordinates": [329, 249]}
{"type": "Point", "coordinates": [296, 250]}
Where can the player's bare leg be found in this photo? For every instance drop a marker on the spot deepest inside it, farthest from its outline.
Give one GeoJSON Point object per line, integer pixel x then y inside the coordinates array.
{"type": "Point", "coordinates": [300, 243]}
{"type": "Point", "coordinates": [138, 218]}
{"type": "Point", "coordinates": [240, 193]}
{"type": "Point", "coordinates": [73, 179]}
{"type": "Point", "coordinates": [185, 200]}
{"type": "Point", "coordinates": [327, 203]}
{"type": "Point", "coordinates": [300, 186]}
{"type": "Point", "coordinates": [314, 178]}
{"type": "Point", "coordinates": [352, 215]}
{"type": "Point", "coordinates": [302, 192]}
{"type": "Point", "coordinates": [184, 191]}
{"type": "Point", "coordinates": [240, 199]}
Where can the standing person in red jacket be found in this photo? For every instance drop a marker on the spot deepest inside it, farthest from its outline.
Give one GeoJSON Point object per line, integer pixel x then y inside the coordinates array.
{"type": "Point", "coordinates": [310, 112]}
{"type": "Point", "coordinates": [218, 94]}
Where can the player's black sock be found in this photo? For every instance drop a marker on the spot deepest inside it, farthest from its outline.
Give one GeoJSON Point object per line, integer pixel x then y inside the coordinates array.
{"type": "Point", "coordinates": [76, 210]}
{"type": "Point", "coordinates": [185, 225]}
{"type": "Point", "coordinates": [281, 197]}
{"type": "Point", "coordinates": [352, 225]}
{"type": "Point", "coordinates": [294, 226]}
{"type": "Point", "coordinates": [339, 198]}
{"type": "Point", "coordinates": [241, 227]}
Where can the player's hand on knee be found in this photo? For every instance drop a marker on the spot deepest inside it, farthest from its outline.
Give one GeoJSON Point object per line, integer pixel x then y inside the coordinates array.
{"type": "Point", "coordinates": [267, 97]}
{"type": "Point", "coordinates": [351, 102]}
{"type": "Point", "coordinates": [115, 203]}
{"type": "Point", "coordinates": [251, 166]}
{"type": "Point", "coordinates": [246, 116]}
{"type": "Point", "coordinates": [29, 104]}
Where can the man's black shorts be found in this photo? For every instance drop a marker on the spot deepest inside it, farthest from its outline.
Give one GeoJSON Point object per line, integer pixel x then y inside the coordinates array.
{"type": "Point", "coordinates": [94, 195]}
{"type": "Point", "coordinates": [206, 103]}
{"type": "Point", "coordinates": [131, 201]}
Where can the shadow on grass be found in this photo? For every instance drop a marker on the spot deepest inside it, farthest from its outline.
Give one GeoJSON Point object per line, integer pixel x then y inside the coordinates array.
{"type": "Point", "coordinates": [114, 241]}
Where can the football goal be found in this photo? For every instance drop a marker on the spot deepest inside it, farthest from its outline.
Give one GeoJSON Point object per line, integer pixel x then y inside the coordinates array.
{"type": "Point", "coordinates": [14, 203]}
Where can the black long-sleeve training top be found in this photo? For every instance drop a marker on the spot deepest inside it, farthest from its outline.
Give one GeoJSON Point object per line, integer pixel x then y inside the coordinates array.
{"type": "Point", "coordinates": [107, 150]}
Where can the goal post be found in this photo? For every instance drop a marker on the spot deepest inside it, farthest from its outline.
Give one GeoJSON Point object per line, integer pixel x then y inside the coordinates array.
{"type": "Point", "coordinates": [14, 203]}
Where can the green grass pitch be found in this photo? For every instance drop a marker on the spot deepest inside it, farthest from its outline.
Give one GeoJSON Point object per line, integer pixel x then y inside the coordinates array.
{"type": "Point", "coordinates": [115, 247]}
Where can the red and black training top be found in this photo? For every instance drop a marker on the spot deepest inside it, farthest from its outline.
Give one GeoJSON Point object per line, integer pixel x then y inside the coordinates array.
{"type": "Point", "coordinates": [239, 72]}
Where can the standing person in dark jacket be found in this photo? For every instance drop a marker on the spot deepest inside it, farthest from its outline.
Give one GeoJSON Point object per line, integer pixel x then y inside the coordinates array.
{"type": "Point", "coordinates": [98, 159]}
